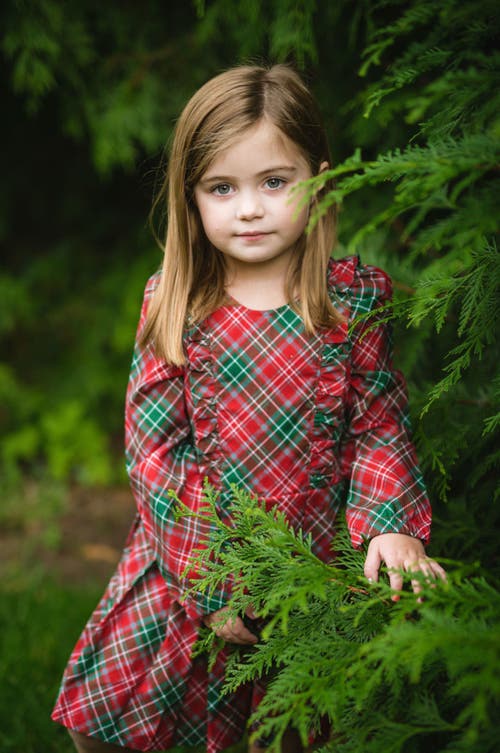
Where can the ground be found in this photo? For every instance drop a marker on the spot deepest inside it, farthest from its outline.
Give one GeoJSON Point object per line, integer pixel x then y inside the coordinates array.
{"type": "Point", "coordinates": [94, 531]}
{"type": "Point", "coordinates": [77, 534]}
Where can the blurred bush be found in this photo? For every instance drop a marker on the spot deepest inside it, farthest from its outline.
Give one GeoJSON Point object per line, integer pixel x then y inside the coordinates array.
{"type": "Point", "coordinates": [410, 95]}
{"type": "Point", "coordinates": [91, 93]}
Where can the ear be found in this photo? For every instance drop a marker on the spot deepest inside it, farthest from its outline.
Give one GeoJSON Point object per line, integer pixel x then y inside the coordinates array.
{"type": "Point", "coordinates": [323, 166]}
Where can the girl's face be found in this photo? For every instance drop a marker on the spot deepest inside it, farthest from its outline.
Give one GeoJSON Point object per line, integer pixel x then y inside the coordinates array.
{"type": "Point", "coordinates": [244, 198]}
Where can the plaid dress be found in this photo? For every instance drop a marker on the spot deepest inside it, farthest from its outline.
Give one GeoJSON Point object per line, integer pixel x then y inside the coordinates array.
{"type": "Point", "coordinates": [310, 423]}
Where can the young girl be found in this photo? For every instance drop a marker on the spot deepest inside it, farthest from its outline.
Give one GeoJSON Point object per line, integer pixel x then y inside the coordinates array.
{"type": "Point", "coordinates": [246, 371]}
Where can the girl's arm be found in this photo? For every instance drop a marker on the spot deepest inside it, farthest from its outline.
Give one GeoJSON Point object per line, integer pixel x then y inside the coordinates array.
{"type": "Point", "coordinates": [387, 501]}
{"type": "Point", "coordinates": [160, 460]}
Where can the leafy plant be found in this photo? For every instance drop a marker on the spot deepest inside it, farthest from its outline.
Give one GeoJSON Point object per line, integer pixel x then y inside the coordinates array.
{"type": "Point", "coordinates": [411, 675]}
{"type": "Point", "coordinates": [426, 207]}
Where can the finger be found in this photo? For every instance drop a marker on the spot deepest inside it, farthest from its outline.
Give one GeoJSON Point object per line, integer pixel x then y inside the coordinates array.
{"type": "Point", "coordinates": [438, 571]}
{"type": "Point", "coordinates": [420, 565]}
{"type": "Point", "coordinates": [415, 566]}
{"type": "Point", "coordinates": [245, 636]}
{"type": "Point", "coordinates": [250, 612]}
{"type": "Point", "coordinates": [430, 569]}
{"type": "Point", "coordinates": [221, 627]}
{"type": "Point", "coordinates": [241, 631]}
{"type": "Point", "coordinates": [216, 620]}
{"type": "Point", "coordinates": [372, 564]}
{"type": "Point", "coordinates": [396, 583]}
{"type": "Point", "coordinates": [242, 639]}
{"type": "Point", "coordinates": [234, 631]}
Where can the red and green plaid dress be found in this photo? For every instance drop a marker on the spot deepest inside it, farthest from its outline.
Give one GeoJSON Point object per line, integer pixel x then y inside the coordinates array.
{"type": "Point", "coordinates": [311, 423]}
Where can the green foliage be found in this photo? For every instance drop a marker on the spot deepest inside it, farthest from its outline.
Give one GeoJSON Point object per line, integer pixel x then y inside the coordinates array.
{"type": "Point", "coordinates": [426, 209]}
{"type": "Point", "coordinates": [473, 293]}
{"type": "Point", "coordinates": [412, 675]}
{"type": "Point", "coordinates": [42, 613]}
{"type": "Point", "coordinates": [279, 30]}
{"type": "Point", "coordinates": [54, 414]}
{"type": "Point", "coordinates": [32, 512]}
{"type": "Point", "coordinates": [91, 92]}
{"type": "Point", "coordinates": [39, 623]}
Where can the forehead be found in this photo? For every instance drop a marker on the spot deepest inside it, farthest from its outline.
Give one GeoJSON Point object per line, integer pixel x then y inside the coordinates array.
{"type": "Point", "coordinates": [261, 146]}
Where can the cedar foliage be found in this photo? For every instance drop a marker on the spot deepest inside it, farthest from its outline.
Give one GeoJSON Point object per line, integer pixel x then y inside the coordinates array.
{"type": "Point", "coordinates": [415, 144]}
{"type": "Point", "coordinates": [411, 676]}
{"type": "Point", "coordinates": [103, 86]}
{"type": "Point", "coordinates": [90, 95]}
{"type": "Point", "coordinates": [439, 218]}
{"type": "Point", "coordinates": [389, 676]}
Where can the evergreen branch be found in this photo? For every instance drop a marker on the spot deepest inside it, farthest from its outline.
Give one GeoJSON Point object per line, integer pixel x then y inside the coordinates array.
{"type": "Point", "coordinates": [477, 291]}
{"type": "Point", "coordinates": [418, 15]}
{"type": "Point", "coordinates": [492, 423]}
{"type": "Point", "coordinates": [430, 663]}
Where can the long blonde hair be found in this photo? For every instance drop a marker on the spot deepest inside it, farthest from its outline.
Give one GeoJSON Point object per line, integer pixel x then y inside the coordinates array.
{"type": "Point", "coordinates": [191, 284]}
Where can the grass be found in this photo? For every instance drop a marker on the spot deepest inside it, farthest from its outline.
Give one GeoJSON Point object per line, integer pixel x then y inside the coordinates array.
{"type": "Point", "coordinates": [40, 620]}
{"type": "Point", "coordinates": [39, 624]}
{"type": "Point", "coordinates": [42, 613]}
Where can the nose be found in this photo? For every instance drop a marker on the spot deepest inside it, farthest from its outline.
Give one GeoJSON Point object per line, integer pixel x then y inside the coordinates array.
{"type": "Point", "coordinates": [249, 206]}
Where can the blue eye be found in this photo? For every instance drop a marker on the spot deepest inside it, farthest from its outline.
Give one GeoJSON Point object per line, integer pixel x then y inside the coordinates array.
{"type": "Point", "coordinates": [222, 189]}
{"type": "Point", "coordinates": [274, 183]}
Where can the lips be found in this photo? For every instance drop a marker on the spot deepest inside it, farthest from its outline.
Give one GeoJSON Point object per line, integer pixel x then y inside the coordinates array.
{"type": "Point", "coordinates": [253, 234]}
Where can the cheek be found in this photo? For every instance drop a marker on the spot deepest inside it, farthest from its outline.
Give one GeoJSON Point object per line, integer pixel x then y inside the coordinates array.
{"type": "Point", "coordinates": [212, 217]}
{"type": "Point", "coordinates": [297, 220]}
{"type": "Point", "coordinates": [294, 210]}
{"type": "Point", "coordinates": [212, 225]}
{"type": "Point", "coordinates": [206, 216]}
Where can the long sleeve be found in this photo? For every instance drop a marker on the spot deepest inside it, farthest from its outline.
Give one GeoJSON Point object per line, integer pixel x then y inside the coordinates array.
{"type": "Point", "coordinates": [386, 490]}
{"type": "Point", "coordinates": [161, 459]}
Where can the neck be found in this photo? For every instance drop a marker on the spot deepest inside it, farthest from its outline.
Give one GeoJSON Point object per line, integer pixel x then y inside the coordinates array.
{"type": "Point", "coordinates": [258, 286]}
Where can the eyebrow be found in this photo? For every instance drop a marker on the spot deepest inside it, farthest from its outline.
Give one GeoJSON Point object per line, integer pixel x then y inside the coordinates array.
{"type": "Point", "coordinates": [268, 171]}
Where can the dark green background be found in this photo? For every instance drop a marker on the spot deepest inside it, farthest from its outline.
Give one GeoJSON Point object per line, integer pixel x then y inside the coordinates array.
{"type": "Point", "coordinates": [90, 94]}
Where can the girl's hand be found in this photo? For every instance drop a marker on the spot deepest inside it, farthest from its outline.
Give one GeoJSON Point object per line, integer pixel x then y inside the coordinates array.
{"type": "Point", "coordinates": [399, 551]}
{"type": "Point", "coordinates": [232, 630]}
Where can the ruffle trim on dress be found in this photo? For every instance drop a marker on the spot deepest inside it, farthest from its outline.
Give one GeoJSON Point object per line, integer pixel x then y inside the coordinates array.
{"type": "Point", "coordinates": [332, 380]}
{"type": "Point", "coordinates": [203, 393]}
